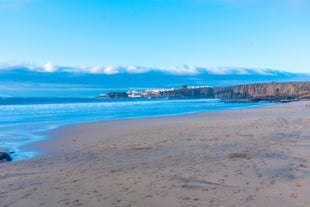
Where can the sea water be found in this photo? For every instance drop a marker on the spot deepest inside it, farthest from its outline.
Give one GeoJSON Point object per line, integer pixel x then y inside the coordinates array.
{"type": "Point", "coordinates": [24, 120]}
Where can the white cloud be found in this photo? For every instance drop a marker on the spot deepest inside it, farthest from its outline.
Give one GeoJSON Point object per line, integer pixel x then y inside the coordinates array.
{"type": "Point", "coordinates": [184, 70]}
{"type": "Point", "coordinates": [217, 70]}
{"type": "Point", "coordinates": [264, 71]}
{"type": "Point", "coordinates": [96, 69]}
{"type": "Point", "coordinates": [137, 69]}
{"type": "Point", "coordinates": [10, 65]}
{"type": "Point", "coordinates": [227, 70]}
{"type": "Point", "coordinates": [110, 69]}
{"type": "Point", "coordinates": [49, 67]}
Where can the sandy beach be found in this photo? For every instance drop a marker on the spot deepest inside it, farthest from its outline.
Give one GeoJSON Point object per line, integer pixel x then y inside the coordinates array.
{"type": "Point", "coordinates": [253, 157]}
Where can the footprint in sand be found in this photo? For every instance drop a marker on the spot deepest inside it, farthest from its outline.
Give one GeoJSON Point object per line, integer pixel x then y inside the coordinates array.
{"type": "Point", "coordinates": [294, 195]}
{"type": "Point", "coordinates": [283, 123]}
{"type": "Point", "coordinates": [222, 181]}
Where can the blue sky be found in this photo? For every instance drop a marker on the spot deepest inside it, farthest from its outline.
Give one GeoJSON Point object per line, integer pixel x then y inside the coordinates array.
{"type": "Point", "coordinates": [157, 33]}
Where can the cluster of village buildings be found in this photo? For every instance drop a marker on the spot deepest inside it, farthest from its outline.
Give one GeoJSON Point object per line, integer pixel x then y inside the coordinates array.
{"type": "Point", "coordinates": [151, 92]}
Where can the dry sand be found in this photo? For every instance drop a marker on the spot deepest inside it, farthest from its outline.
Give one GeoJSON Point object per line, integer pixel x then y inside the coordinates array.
{"type": "Point", "coordinates": [256, 157]}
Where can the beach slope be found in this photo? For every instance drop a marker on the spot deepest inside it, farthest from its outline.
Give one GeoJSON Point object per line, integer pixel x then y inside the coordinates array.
{"type": "Point", "coordinates": [254, 157]}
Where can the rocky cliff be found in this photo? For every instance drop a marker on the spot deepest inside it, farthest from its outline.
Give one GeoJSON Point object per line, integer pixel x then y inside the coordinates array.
{"type": "Point", "coordinates": [265, 91]}
{"type": "Point", "coordinates": [117, 95]}
{"type": "Point", "coordinates": [288, 91]}
{"type": "Point", "coordinates": [285, 91]}
{"type": "Point", "coordinates": [203, 92]}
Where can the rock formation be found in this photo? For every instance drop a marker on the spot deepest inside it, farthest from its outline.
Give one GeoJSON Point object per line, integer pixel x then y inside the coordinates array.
{"type": "Point", "coordinates": [184, 92]}
{"type": "Point", "coordinates": [117, 95]}
{"type": "Point", "coordinates": [5, 157]}
{"type": "Point", "coordinates": [285, 91]}
{"type": "Point", "coordinates": [265, 91]}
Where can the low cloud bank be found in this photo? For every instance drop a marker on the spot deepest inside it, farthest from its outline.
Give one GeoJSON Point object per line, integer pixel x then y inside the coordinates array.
{"type": "Point", "coordinates": [49, 67]}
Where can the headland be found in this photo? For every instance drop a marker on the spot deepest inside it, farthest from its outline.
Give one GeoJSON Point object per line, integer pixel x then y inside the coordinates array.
{"type": "Point", "coordinates": [275, 91]}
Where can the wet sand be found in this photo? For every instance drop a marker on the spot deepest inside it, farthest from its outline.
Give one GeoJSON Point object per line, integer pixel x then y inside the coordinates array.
{"type": "Point", "coordinates": [254, 157]}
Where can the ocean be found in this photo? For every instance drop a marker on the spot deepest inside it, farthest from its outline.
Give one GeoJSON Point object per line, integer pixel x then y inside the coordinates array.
{"type": "Point", "coordinates": [24, 120]}
{"type": "Point", "coordinates": [33, 102]}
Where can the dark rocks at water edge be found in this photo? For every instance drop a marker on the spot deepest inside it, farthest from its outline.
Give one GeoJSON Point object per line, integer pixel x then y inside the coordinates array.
{"type": "Point", "coordinates": [279, 92]}
{"type": "Point", "coordinates": [117, 95]}
{"type": "Point", "coordinates": [5, 157]}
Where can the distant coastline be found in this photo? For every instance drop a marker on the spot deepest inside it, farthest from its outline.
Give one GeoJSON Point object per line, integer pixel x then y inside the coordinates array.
{"type": "Point", "coordinates": [273, 92]}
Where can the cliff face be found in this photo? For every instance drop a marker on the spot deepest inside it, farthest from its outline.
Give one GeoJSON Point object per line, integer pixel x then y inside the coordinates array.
{"type": "Point", "coordinates": [204, 92]}
{"type": "Point", "coordinates": [265, 91]}
{"type": "Point", "coordinates": [117, 95]}
{"type": "Point", "coordinates": [249, 92]}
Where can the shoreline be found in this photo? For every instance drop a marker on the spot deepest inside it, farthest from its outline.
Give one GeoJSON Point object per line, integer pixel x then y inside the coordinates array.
{"type": "Point", "coordinates": [27, 129]}
{"type": "Point", "coordinates": [49, 135]}
{"type": "Point", "coordinates": [60, 133]}
{"type": "Point", "coordinates": [253, 157]}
